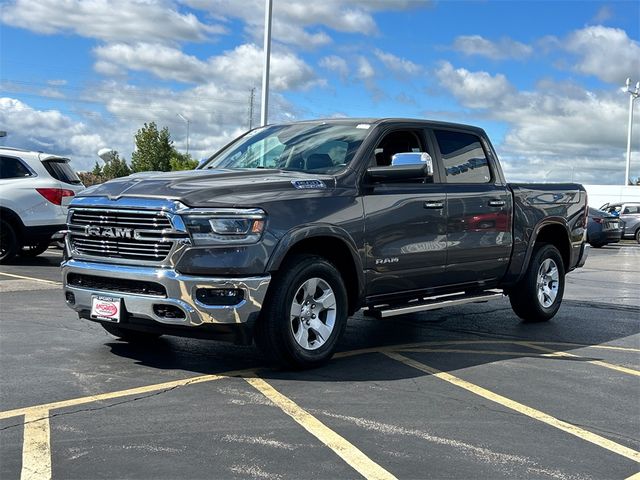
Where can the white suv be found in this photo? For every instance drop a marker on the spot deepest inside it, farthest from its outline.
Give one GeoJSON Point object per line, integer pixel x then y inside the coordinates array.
{"type": "Point", "coordinates": [35, 189]}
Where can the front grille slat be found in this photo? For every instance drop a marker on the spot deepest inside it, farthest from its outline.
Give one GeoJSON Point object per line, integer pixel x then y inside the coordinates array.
{"type": "Point", "coordinates": [101, 242]}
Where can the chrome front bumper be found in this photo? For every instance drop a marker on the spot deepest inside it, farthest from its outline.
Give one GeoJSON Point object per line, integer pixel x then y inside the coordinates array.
{"type": "Point", "coordinates": [181, 293]}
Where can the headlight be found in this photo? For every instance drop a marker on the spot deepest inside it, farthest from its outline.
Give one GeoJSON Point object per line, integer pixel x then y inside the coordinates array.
{"type": "Point", "coordinates": [225, 226]}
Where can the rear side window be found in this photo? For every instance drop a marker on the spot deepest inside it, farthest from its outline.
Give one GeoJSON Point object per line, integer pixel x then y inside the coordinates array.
{"type": "Point", "coordinates": [11, 167]}
{"type": "Point", "coordinates": [463, 157]}
{"type": "Point", "coordinates": [60, 170]}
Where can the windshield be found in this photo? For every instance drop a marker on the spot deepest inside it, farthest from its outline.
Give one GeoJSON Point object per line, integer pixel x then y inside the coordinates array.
{"type": "Point", "coordinates": [303, 147]}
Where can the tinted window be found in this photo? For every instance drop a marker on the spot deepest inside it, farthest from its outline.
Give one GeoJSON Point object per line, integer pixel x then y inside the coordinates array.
{"type": "Point", "coordinates": [463, 157]}
{"type": "Point", "coordinates": [60, 170]}
{"type": "Point", "coordinates": [13, 168]}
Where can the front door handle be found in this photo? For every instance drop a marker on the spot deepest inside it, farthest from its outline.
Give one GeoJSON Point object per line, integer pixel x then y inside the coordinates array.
{"type": "Point", "coordinates": [434, 204]}
{"type": "Point", "coordinates": [497, 203]}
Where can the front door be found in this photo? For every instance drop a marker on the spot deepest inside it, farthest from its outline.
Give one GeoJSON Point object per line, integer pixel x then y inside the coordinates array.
{"type": "Point", "coordinates": [405, 224]}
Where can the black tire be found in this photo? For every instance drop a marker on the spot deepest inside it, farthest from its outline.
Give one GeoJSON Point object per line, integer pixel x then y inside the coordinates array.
{"type": "Point", "coordinates": [524, 297]}
{"type": "Point", "coordinates": [133, 336]}
{"type": "Point", "coordinates": [276, 330]}
{"type": "Point", "coordinates": [32, 251]}
{"type": "Point", "coordinates": [638, 235]}
{"type": "Point", "coordinates": [8, 242]}
{"type": "Point", "coordinates": [597, 245]}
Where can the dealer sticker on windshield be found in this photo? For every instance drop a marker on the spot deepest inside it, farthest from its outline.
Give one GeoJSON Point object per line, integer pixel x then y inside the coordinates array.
{"type": "Point", "coordinates": [106, 308]}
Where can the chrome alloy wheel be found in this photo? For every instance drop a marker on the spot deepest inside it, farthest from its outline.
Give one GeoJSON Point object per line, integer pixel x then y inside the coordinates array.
{"type": "Point", "coordinates": [548, 282]}
{"type": "Point", "coordinates": [313, 313]}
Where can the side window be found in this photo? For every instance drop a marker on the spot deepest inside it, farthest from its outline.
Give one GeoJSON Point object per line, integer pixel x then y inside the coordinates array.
{"type": "Point", "coordinates": [11, 167]}
{"type": "Point", "coordinates": [400, 141]}
{"type": "Point", "coordinates": [463, 157]}
{"type": "Point", "coordinates": [61, 170]}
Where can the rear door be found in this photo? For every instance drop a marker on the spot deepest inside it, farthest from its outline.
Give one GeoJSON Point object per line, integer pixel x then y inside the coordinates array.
{"type": "Point", "coordinates": [479, 209]}
{"type": "Point", "coordinates": [405, 222]}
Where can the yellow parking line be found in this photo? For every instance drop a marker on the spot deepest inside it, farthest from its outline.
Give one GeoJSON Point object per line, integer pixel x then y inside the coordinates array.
{"type": "Point", "coordinates": [342, 447]}
{"type": "Point", "coordinates": [554, 353]}
{"type": "Point", "coordinates": [521, 408]}
{"type": "Point", "coordinates": [22, 277]}
{"type": "Point", "coordinates": [123, 393]}
{"type": "Point", "coordinates": [635, 476]}
{"type": "Point", "coordinates": [464, 350]}
{"type": "Point", "coordinates": [36, 448]}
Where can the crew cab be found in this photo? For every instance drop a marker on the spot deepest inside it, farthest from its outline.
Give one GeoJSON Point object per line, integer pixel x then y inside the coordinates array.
{"type": "Point", "coordinates": [287, 231]}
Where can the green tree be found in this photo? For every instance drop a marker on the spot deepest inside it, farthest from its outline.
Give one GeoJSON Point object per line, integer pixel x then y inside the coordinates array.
{"type": "Point", "coordinates": [116, 167]}
{"type": "Point", "coordinates": [97, 170]}
{"type": "Point", "coordinates": [154, 149]}
{"type": "Point", "coordinates": [182, 161]}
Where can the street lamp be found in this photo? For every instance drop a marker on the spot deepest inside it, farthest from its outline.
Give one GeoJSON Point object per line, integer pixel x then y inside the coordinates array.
{"type": "Point", "coordinates": [188, 122]}
{"type": "Point", "coordinates": [633, 95]}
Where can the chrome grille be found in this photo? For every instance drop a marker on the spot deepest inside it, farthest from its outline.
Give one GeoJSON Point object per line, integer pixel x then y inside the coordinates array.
{"type": "Point", "coordinates": [139, 235]}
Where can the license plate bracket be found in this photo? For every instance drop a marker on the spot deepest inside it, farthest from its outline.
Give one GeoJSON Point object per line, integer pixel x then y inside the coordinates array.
{"type": "Point", "coordinates": [107, 309]}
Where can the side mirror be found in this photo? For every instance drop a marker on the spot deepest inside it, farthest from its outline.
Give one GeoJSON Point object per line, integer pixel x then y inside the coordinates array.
{"type": "Point", "coordinates": [404, 166]}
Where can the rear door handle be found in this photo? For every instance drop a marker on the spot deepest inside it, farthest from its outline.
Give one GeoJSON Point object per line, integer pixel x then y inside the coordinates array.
{"type": "Point", "coordinates": [497, 203]}
{"type": "Point", "coordinates": [434, 204]}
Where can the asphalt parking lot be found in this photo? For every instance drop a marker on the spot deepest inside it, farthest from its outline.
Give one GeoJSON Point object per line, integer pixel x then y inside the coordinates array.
{"type": "Point", "coordinates": [465, 392]}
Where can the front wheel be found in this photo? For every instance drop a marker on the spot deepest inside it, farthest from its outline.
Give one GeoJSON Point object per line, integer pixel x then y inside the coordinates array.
{"type": "Point", "coordinates": [638, 235]}
{"type": "Point", "coordinates": [304, 315]}
{"type": "Point", "coordinates": [537, 297]}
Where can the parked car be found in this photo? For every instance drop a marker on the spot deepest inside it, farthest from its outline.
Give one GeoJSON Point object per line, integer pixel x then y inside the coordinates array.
{"type": "Point", "coordinates": [603, 228]}
{"type": "Point", "coordinates": [35, 189]}
{"type": "Point", "coordinates": [629, 213]}
{"type": "Point", "coordinates": [291, 228]}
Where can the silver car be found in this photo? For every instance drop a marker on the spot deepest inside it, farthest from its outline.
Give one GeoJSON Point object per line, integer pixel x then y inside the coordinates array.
{"type": "Point", "coordinates": [629, 213]}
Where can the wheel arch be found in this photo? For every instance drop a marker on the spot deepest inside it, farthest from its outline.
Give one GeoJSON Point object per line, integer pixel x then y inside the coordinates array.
{"type": "Point", "coordinates": [554, 232]}
{"type": "Point", "coordinates": [329, 242]}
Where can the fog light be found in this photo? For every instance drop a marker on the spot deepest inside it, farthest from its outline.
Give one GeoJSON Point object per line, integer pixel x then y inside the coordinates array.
{"type": "Point", "coordinates": [219, 296]}
{"type": "Point", "coordinates": [168, 311]}
{"type": "Point", "coordinates": [71, 298]}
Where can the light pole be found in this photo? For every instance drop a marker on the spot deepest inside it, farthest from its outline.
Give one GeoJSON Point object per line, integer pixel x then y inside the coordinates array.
{"type": "Point", "coordinates": [267, 58]}
{"type": "Point", "coordinates": [188, 122]}
{"type": "Point", "coordinates": [633, 95]}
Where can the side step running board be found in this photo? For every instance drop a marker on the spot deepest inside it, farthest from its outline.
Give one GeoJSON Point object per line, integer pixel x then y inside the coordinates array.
{"type": "Point", "coordinates": [434, 303]}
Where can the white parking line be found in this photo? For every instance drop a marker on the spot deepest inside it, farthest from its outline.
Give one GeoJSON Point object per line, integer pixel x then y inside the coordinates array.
{"type": "Point", "coordinates": [22, 277]}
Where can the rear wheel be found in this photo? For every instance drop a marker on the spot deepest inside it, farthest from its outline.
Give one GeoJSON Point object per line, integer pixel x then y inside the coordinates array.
{"type": "Point", "coordinates": [638, 235]}
{"type": "Point", "coordinates": [8, 241]}
{"type": "Point", "coordinates": [304, 315]}
{"type": "Point", "coordinates": [537, 297]}
{"type": "Point", "coordinates": [133, 336]}
{"type": "Point", "coordinates": [33, 250]}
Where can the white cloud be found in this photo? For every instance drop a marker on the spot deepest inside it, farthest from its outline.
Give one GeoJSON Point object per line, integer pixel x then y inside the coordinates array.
{"type": "Point", "coordinates": [365, 70]}
{"type": "Point", "coordinates": [49, 130]}
{"type": "Point", "coordinates": [473, 89]}
{"type": "Point", "coordinates": [293, 19]}
{"type": "Point", "coordinates": [335, 64]}
{"type": "Point", "coordinates": [401, 66]}
{"type": "Point", "coordinates": [504, 48]}
{"type": "Point", "coordinates": [556, 132]}
{"type": "Point", "coordinates": [110, 20]}
{"type": "Point", "coordinates": [607, 53]}
{"type": "Point", "coordinates": [240, 67]}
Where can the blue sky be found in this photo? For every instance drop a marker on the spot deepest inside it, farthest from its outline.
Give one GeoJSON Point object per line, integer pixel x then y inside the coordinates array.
{"type": "Point", "coordinates": [543, 78]}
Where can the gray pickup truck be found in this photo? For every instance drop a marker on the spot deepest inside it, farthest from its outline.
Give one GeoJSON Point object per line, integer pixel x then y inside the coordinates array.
{"type": "Point", "coordinates": [290, 229]}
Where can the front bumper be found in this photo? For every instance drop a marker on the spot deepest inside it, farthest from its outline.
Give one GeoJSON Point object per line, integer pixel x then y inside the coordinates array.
{"type": "Point", "coordinates": [180, 292]}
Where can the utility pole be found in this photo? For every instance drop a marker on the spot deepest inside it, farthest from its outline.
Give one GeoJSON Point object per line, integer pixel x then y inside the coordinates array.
{"type": "Point", "coordinates": [252, 97]}
{"type": "Point", "coordinates": [633, 95]}
{"type": "Point", "coordinates": [188, 122]}
{"type": "Point", "coordinates": [268, 5]}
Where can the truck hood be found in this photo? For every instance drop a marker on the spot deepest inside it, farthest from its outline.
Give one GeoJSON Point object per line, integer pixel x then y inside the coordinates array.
{"type": "Point", "coordinates": [222, 187]}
